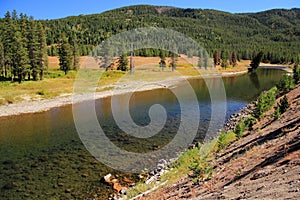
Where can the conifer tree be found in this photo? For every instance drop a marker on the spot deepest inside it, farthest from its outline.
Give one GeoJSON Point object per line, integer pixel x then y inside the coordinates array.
{"type": "Point", "coordinates": [256, 60]}
{"type": "Point", "coordinates": [216, 57]}
{"type": "Point", "coordinates": [122, 63]}
{"type": "Point", "coordinates": [233, 60]}
{"type": "Point", "coordinates": [42, 50]}
{"type": "Point", "coordinates": [8, 43]}
{"type": "Point", "coordinates": [33, 49]}
{"type": "Point", "coordinates": [75, 51]}
{"type": "Point", "coordinates": [65, 55]}
{"type": "Point", "coordinates": [162, 62]}
{"type": "Point", "coordinates": [20, 60]}
{"type": "Point", "coordinates": [2, 57]}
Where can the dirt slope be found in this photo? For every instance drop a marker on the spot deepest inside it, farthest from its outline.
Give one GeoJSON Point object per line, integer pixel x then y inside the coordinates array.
{"type": "Point", "coordinates": [263, 164]}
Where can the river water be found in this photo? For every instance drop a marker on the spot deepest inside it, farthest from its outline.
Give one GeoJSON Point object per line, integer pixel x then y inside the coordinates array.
{"type": "Point", "coordinates": [42, 156]}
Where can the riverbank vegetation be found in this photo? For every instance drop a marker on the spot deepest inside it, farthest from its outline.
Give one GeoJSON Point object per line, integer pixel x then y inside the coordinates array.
{"type": "Point", "coordinates": [197, 164]}
{"type": "Point", "coordinates": [25, 43]}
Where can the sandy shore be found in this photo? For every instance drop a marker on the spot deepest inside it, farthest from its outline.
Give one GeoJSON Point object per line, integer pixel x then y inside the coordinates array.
{"type": "Point", "coordinates": [47, 104]}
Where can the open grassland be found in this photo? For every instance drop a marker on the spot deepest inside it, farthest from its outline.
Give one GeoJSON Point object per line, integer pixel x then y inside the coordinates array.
{"type": "Point", "coordinates": [147, 69]}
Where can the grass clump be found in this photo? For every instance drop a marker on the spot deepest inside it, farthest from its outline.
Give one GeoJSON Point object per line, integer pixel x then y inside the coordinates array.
{"type": "Point", "coordinates": [43, 93]}
{"type": "Point", "coordinates": [225, 138]}
{"type": "Point", "coordinates": [2, 101]}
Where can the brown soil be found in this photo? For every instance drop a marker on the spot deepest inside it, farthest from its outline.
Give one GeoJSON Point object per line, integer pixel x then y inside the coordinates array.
{"type": "Point", "coordinates": [263, 164]}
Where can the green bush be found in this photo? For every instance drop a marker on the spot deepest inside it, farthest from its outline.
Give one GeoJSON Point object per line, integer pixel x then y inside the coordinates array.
{"type": "Point", "coordinates": [240, 129]}
{"type": "Point", "coordinates": [265, 101]}
{"type": "Point", "coordinates": [286, 84]}
{"type": "Point", "coordinates": [202, 169]}
{"type": "Point", "coordinates": [281, 107]}
{"type": "Point", "coordinates": [249, 122]}
{"type": "Point", "coordinates": [296, 74]}
{"type": "Point", "coordinates": [225, 138]}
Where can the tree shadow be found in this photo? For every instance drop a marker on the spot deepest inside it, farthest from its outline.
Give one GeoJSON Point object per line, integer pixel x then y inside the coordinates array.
{"type": "Point", "coordinates": [254, 79]}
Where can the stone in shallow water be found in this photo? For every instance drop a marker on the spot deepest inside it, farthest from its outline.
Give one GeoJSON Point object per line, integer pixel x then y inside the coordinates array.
{"type": "Point", "coordinates": [68, 190]}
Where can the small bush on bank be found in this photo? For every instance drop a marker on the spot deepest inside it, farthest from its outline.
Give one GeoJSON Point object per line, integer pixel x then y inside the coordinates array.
{"type": "Point", "coordinates": [240, 129]}
{"type": "Point", "coordinates": [249, 122]}
{"type": "Point", "coordinates": [265, 102]}
{"type": "Point", "coordinates": [286, 84]}
{"type": "Point", "coordinates": [296, 74]}
{"type": "Point", "coordinates": [282, 106]}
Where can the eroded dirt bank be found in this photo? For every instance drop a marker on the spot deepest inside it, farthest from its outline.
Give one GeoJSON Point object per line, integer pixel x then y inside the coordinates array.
{"type": "Point", "coordinates": [263, 164]}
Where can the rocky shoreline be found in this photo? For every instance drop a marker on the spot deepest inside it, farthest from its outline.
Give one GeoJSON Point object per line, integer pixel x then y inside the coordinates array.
{"type": "Point", "coordinates": [163, 166]}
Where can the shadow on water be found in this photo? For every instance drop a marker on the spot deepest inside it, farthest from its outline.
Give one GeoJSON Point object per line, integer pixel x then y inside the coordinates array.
{"type": "Point", "coordinates": [254, 79]}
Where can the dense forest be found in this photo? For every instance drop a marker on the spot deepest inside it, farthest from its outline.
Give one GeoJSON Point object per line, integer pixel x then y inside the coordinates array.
{"type": "Point", "coordinates": [275, 32]}
{"type": "Point", "coordinates": [23, 49]}
{"type": "Point", "coordinates": [24, 42]}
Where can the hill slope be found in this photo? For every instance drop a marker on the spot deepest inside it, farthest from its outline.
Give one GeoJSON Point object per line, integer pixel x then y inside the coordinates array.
{"type": "Point", "coordinates": [263, 164]}
{"type": "Point", "coordinates": [276, 32]}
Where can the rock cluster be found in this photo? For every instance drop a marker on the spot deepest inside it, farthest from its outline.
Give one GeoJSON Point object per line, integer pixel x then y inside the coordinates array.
{"type": "Point", "coordinates": [234, 119]}
{"type": "Point", "coordinates": [156, 173]}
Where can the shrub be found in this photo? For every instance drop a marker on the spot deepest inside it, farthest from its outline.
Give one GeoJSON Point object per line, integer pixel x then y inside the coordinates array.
{"type": "Point", "coordinates": [202, 169]}
{"type": "Point", "coordinates": [225, 138]}
{"type": "Point", "coordinates": [296, 74]}
{"type": "Point", "coordinates": [284, 104]}
{"type": "Point", "coordinates": [240, 128]}
{"type": "Point", "coordinates": [277, 113]}
{"type": "Point", "coordinates": [265, 101]}
{"type": "Point", "coordinates": [286, 84]}
{"type": "Point", "coordinates": [281, 107]}
{"type": "Point", "coordinates": [249, 122]}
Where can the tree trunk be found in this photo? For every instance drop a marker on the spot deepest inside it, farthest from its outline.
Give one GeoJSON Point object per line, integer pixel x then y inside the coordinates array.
{"type": "Point", "coordinates": [41, 74]}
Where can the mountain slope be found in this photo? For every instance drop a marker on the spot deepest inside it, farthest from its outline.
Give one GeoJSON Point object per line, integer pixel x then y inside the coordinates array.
{"type": "Point", "coordinates": [263, 164]}
{"type": "Point", "coordinates": [276, 32]}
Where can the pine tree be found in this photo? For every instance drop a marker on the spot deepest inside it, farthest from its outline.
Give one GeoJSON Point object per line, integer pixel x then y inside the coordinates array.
{"type": "Point", "coordinates": [2, 67]}
{"type": "Point", "coordinates": [174, 59]}
{"type": "Point", "coordinates": [20, 60]}
{"type": "Point", "coordinates": [216, 57]}
{"type": "Point", "coordinates": [65, 55]}
{"type": "Point", "coordinates": [122, 63]}
{"type": "Point", "coordinates": [233, 59]}
{"type": "Point", "coordinates": [8, 34]}
{"type": "Point", "coordinates": [42, 51]}
{"type": "Point", "coordinates": [75, 51]}
{"type": "Point", "coordinates": [200, 59]}
{"type": "Point", "coordinates": [296, 74]}
{"type": "Point", "coordinates": [256, 61]}
{"type": "Point", "coordinates": [33, 48]}
{"type": "Point", "coordinates": [162, 62]}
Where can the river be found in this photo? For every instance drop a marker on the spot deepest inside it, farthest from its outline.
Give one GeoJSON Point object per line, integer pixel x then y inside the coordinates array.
{"type": "Point", "coordinates": [42, 156]}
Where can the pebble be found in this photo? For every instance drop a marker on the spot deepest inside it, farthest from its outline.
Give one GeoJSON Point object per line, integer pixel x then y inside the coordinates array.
{"type": "Point", "coordinates": [68, 191]}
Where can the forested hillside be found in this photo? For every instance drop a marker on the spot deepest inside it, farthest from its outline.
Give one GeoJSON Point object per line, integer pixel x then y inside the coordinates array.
{"type": "Point", "coordinates": [275, 32]}
{"type": "Point", "coordinates": [24, 42]}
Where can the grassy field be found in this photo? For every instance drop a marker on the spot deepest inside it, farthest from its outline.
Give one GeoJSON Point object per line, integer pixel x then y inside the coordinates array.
{"type": "Point", "coordinates": [55, 83]}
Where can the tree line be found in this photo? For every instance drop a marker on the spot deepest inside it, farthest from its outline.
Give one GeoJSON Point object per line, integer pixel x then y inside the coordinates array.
{"type": "Point", "coordinates": [244, 34]}
{"type": "Point", "coordinates": [228, 38]}
{"type": "Point", "coordinates": [23, 49]}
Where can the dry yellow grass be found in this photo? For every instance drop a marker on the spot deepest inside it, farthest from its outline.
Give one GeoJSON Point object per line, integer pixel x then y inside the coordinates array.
{"type": "Point", "coordinates": [56, 83]}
